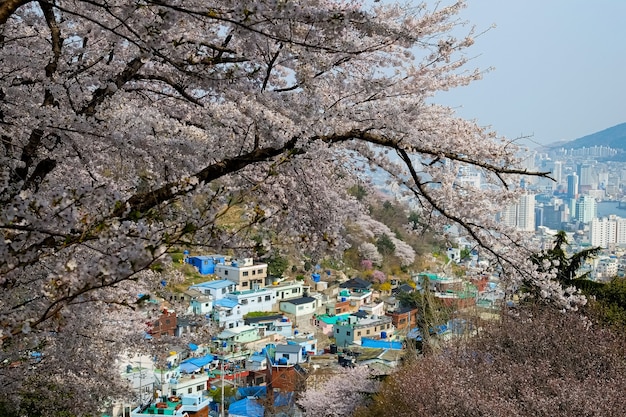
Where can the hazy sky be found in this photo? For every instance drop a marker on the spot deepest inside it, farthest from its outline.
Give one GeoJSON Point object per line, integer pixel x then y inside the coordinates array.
{"type": "Point", "coordinates": [559, 67]}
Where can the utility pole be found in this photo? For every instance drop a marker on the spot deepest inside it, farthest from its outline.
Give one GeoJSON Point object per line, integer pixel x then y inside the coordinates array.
{"type": "Point", "coordinates": [222, 375]}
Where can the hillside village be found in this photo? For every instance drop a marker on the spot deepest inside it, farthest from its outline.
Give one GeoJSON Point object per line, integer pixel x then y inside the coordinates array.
{"type": "Point", "coordinates": [273, 333]}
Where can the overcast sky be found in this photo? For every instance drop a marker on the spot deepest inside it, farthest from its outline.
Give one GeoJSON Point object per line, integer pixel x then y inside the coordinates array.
{"type": "Point", "coordinates": [559, 67]}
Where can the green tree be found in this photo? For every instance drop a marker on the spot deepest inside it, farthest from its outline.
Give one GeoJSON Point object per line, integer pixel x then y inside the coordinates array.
{"type": "Point", "coordinates": [385, 246]}
{"type": "Point", "coordinates": [607, 301]}
{"type": "Point", "coordinates": [414, 219]}
{"type": "Point", "coordinates": [565, 267]}
{"type": "Point", "coordinates": [431, 313]}
{"type": "Point", "coordinates": [358, 191]}
{"type": "Point", "coordinates": [277, 265]}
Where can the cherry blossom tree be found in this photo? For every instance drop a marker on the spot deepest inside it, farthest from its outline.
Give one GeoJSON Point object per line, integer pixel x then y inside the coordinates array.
{"type": "Point", "coordinates": [332, 397]}
{"type": "Point", "coordinates": [130, 128]}
{"type": "Point", "coordinates": [542, 363]}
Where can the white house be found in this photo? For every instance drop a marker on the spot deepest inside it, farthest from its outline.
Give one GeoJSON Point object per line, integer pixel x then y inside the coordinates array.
{"type": "Point", "coordinates": [245, 273]}
{"type": "Point", "coordinates": [199, 303]}
{"type": "Point", "coordinates": [263, 299]}
{"type": "Point", "coordinates": [216, 289]}
{"type": "Point", "coordinates": [227, 313]}
{"type": "Point", "coordinates": [289, 354]}
{"type": "Point", "coordinates": [299, 306]}
{"type": "Point", "coordinates": [288, 290]}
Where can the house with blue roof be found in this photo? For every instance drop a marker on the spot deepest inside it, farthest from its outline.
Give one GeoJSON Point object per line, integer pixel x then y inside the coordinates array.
{"type": "Point", "coordinates": [216, 289]}
{"type": "Point", "coordinates": [205, 264]}
{"type": "Point", "coordinates": [227, 313]}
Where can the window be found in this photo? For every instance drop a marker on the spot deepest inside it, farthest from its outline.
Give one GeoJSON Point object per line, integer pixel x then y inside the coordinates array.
{"type": "Point", "coordinates": [337, 331]}
{"type": "Point", "coordinates": [206, 304]}
{"type": "Point", "coordinates": [295, 290]}
{"type": "Point", "coordinates": [231, 325]}
{"type": "Point", "coordinates": [260, 271]}
{"type": "Point", "coordinates": [174, 392]}
{"type": "Point", "coordinates": [268, 298]}
{"type": "Point", "coordinates": [223, 290]}
{"type": "Point", "coordinates": [286, 355]}
{"type": "Point", "coordinates": [199, 387]}
{"type": "Point", "coordinates": [226, 272]}
{"type": "Point", "coordinates": [245, 273]}
{"type": "Point", "coordinates": [259, 299]}
{"type": "Point", "coordinates": [189, 390]}
{"type": "Point", "coordinates": [358, 334]}
{"type": "Point", "coordinates": [347, 333]}
{"type": "Point", "coordinates": [244, 284]}
{"type": "Point", "coordinates": [300, 307]}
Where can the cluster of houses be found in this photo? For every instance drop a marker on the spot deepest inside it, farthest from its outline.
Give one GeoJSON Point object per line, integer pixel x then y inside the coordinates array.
{"type": "Point", "coordinates": [271, 351]}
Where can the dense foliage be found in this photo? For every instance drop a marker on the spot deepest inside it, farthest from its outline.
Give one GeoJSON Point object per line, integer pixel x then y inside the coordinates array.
{"type": "Point", "coordinates": [540, 363]}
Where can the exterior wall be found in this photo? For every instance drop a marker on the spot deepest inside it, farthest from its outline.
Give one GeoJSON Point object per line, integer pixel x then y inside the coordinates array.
{"type": "Point", "coordinates": [201, 306]}
{"type": "Point", "coordinates": [286, 378]}
{"type": "Point", "coordinates": [346, 333]}
{"type": "Point", "coordinates": [254, 300]}
{"type": "Point", "coordinates": [404, 320]}
{"type": "Point", "coordinates": [292, 357]}
{"type": "Point", "coordinates": [189, 384]}
{"type": "Point", "coordinates": [228, 318]}
{"type": "Point", "coordinates": [342, 307]}
{"type": "Point", "coordinates": [289, 291]}
{"type": "Point", "coordinates": [216, 293]}
{"type": "Point", "coordinates": [165, 324]}
{"type": "Point", "coordinates": [298, 309]}
{"type": "Point", "coordinates": [246, 274]}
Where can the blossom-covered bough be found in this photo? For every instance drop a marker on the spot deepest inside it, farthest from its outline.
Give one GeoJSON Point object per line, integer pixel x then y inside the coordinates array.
{"type": "Point", "coordinates": [131, 127]}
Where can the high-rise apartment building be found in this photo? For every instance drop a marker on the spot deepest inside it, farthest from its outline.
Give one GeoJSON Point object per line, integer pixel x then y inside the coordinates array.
{"type": "Point", "coordinates": [609, 231]}
{"type": "Point", "coordinates": [586, 209]}
{"type": "Point", "coordinates": [520, 215]}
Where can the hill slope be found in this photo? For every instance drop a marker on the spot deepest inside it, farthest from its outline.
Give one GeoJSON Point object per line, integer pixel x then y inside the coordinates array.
{"type": "Point", "coordinates": [614, 137]}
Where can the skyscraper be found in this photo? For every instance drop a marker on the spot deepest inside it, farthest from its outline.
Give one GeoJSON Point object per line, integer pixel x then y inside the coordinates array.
{"type": "Point", "coordinates": [572, 185]}
{"type": "Point", "coordinates": [586, 209]}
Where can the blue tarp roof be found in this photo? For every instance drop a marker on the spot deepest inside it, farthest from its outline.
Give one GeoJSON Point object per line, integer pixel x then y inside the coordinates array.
{"type": "Point", "coordinates": [226, 302]}
{"type": "Point", "coordinates": [194, 364]}
{"type": "Point", "coordinates": [259, 391]}
{"type": "Point", "coordinates": [246, 408]}
{"type": "Point", "coordinates": [220, 283]}
{"type": "Point", "coordinates": [193, 346]}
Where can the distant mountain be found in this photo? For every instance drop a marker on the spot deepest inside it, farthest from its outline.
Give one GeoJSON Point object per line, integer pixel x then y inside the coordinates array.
{"type": "Point", "coordinates": [613, 137]}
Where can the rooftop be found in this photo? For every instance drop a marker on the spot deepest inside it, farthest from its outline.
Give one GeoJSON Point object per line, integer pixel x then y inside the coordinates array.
{"type": "Point", "coordinates": [217, 284]}
{"type": "Point", "coordinates": [226, 302]}
{"type": "Point", "coordinates": [356, 283]}
{"type": "Point", "coordinates": [263, 319]}
{"type": "Point", "coordinates": [332, 319]}
{"type": "Point", "coordinates": [298, 301]}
